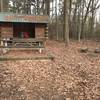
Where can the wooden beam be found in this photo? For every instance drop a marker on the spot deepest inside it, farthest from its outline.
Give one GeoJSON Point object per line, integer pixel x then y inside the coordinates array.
{"type": "Point", "coordinates": [26, 58]}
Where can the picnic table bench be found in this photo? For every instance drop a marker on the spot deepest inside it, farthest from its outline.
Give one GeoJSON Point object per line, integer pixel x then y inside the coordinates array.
{"type": "Point", "coordinates": [24, 43]}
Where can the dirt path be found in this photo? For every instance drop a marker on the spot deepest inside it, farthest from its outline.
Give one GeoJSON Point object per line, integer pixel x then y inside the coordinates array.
{"type": "Point", "coordinates": [71, 75]}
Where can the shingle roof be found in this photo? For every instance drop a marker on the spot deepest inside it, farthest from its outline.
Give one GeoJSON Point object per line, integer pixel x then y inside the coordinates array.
{"type": "Point", "coordinates": [11, 17]}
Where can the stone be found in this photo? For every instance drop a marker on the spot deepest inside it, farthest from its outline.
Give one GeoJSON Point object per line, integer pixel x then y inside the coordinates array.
{"type": "Point", "coordinates": [84, 50]}
{"type": "Point", "coordinates": [97, 50]}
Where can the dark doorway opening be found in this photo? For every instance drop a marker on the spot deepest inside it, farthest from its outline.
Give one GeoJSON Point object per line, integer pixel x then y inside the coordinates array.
{"type": "Point", "coordinates": [24, 30]}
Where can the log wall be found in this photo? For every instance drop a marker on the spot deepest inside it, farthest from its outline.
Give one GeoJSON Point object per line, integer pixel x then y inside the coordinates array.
{"type": "Point", "coordinates": [39, 31]}
{"type": "Point", "coordinates": [6, 30]}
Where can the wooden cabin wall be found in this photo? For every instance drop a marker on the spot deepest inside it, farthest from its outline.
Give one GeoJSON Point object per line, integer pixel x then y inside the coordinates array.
{"type": "Point", "coordinates": [6, 30]}
{"type": "Point", "coordinates": [39, 30]}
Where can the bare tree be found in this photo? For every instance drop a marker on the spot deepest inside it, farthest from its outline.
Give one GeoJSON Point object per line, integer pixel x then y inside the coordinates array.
{"type": "Point", "coordinates": [66, 25]}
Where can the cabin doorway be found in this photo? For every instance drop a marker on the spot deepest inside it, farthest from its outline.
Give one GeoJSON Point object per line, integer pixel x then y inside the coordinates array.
{"type": "Point", "coordinates": [23, 30]}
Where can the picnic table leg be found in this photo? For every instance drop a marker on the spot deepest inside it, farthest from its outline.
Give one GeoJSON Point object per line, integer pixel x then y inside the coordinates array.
{"type": "Point", "coordinates": [40, 50]}
{"type": "Point", "coordinates": [6, 44]}
{"type": "Point", "coordinates": [39, 44]}
{"type": "Point", "coordinates": [2, 44]}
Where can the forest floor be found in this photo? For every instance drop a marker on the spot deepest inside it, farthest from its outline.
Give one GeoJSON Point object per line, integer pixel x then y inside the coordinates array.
{"type": "Point", "coordinates": [72, 75]}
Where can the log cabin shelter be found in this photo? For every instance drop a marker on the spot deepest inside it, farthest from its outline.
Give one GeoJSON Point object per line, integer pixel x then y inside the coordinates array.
{"type": "Point", "coordinates": [22, 29]}
{"type": "Point", "coordinates": [23, 26]}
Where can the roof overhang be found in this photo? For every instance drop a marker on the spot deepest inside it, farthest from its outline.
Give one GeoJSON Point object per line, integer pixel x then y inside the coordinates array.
{"type": "Point", "coordinates": [10, 17]}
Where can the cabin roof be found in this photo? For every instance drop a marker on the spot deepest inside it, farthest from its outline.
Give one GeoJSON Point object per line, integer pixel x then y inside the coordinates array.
{"type": "Point", "coordinates": [23, 18]}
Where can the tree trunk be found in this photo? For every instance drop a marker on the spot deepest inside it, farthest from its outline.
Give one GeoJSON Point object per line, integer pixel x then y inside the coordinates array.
{"type": "Point", "coordinates": [48, 7]}
{"type": "Point", "coordinates": [1, 5]}
{"type": "Point", "coordinates": [66, 25]}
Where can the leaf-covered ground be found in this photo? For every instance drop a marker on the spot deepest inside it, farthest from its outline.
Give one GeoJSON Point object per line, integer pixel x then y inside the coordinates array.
{"type": "Point", "coordinates": [72, 75]}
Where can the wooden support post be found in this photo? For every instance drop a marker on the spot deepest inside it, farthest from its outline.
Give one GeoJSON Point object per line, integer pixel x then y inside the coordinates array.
{"type": "Point", "coordinates": [6, 44]}
{"type": "Point", "coordinates": [2, 44]}
{"type": "Point", "coordinates": [40, 50]}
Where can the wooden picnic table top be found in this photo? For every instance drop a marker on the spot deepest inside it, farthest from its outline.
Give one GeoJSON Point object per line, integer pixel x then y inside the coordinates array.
{"type": "Point", "coordinates": [24, 39]}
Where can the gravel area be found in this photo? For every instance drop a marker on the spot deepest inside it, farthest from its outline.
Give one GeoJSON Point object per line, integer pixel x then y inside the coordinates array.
{"type": "Point", "coordinates": [70, 76]}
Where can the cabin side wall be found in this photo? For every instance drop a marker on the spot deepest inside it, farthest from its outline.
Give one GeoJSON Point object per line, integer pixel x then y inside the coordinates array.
{"type": "Point", "coordinates": [6, 30]}
{"type": "Point", "coordinates": [39, 30]}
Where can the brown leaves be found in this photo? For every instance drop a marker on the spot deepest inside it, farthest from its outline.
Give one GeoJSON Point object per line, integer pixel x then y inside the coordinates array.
{"type": "Point", "coordinates": [71, 74]}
